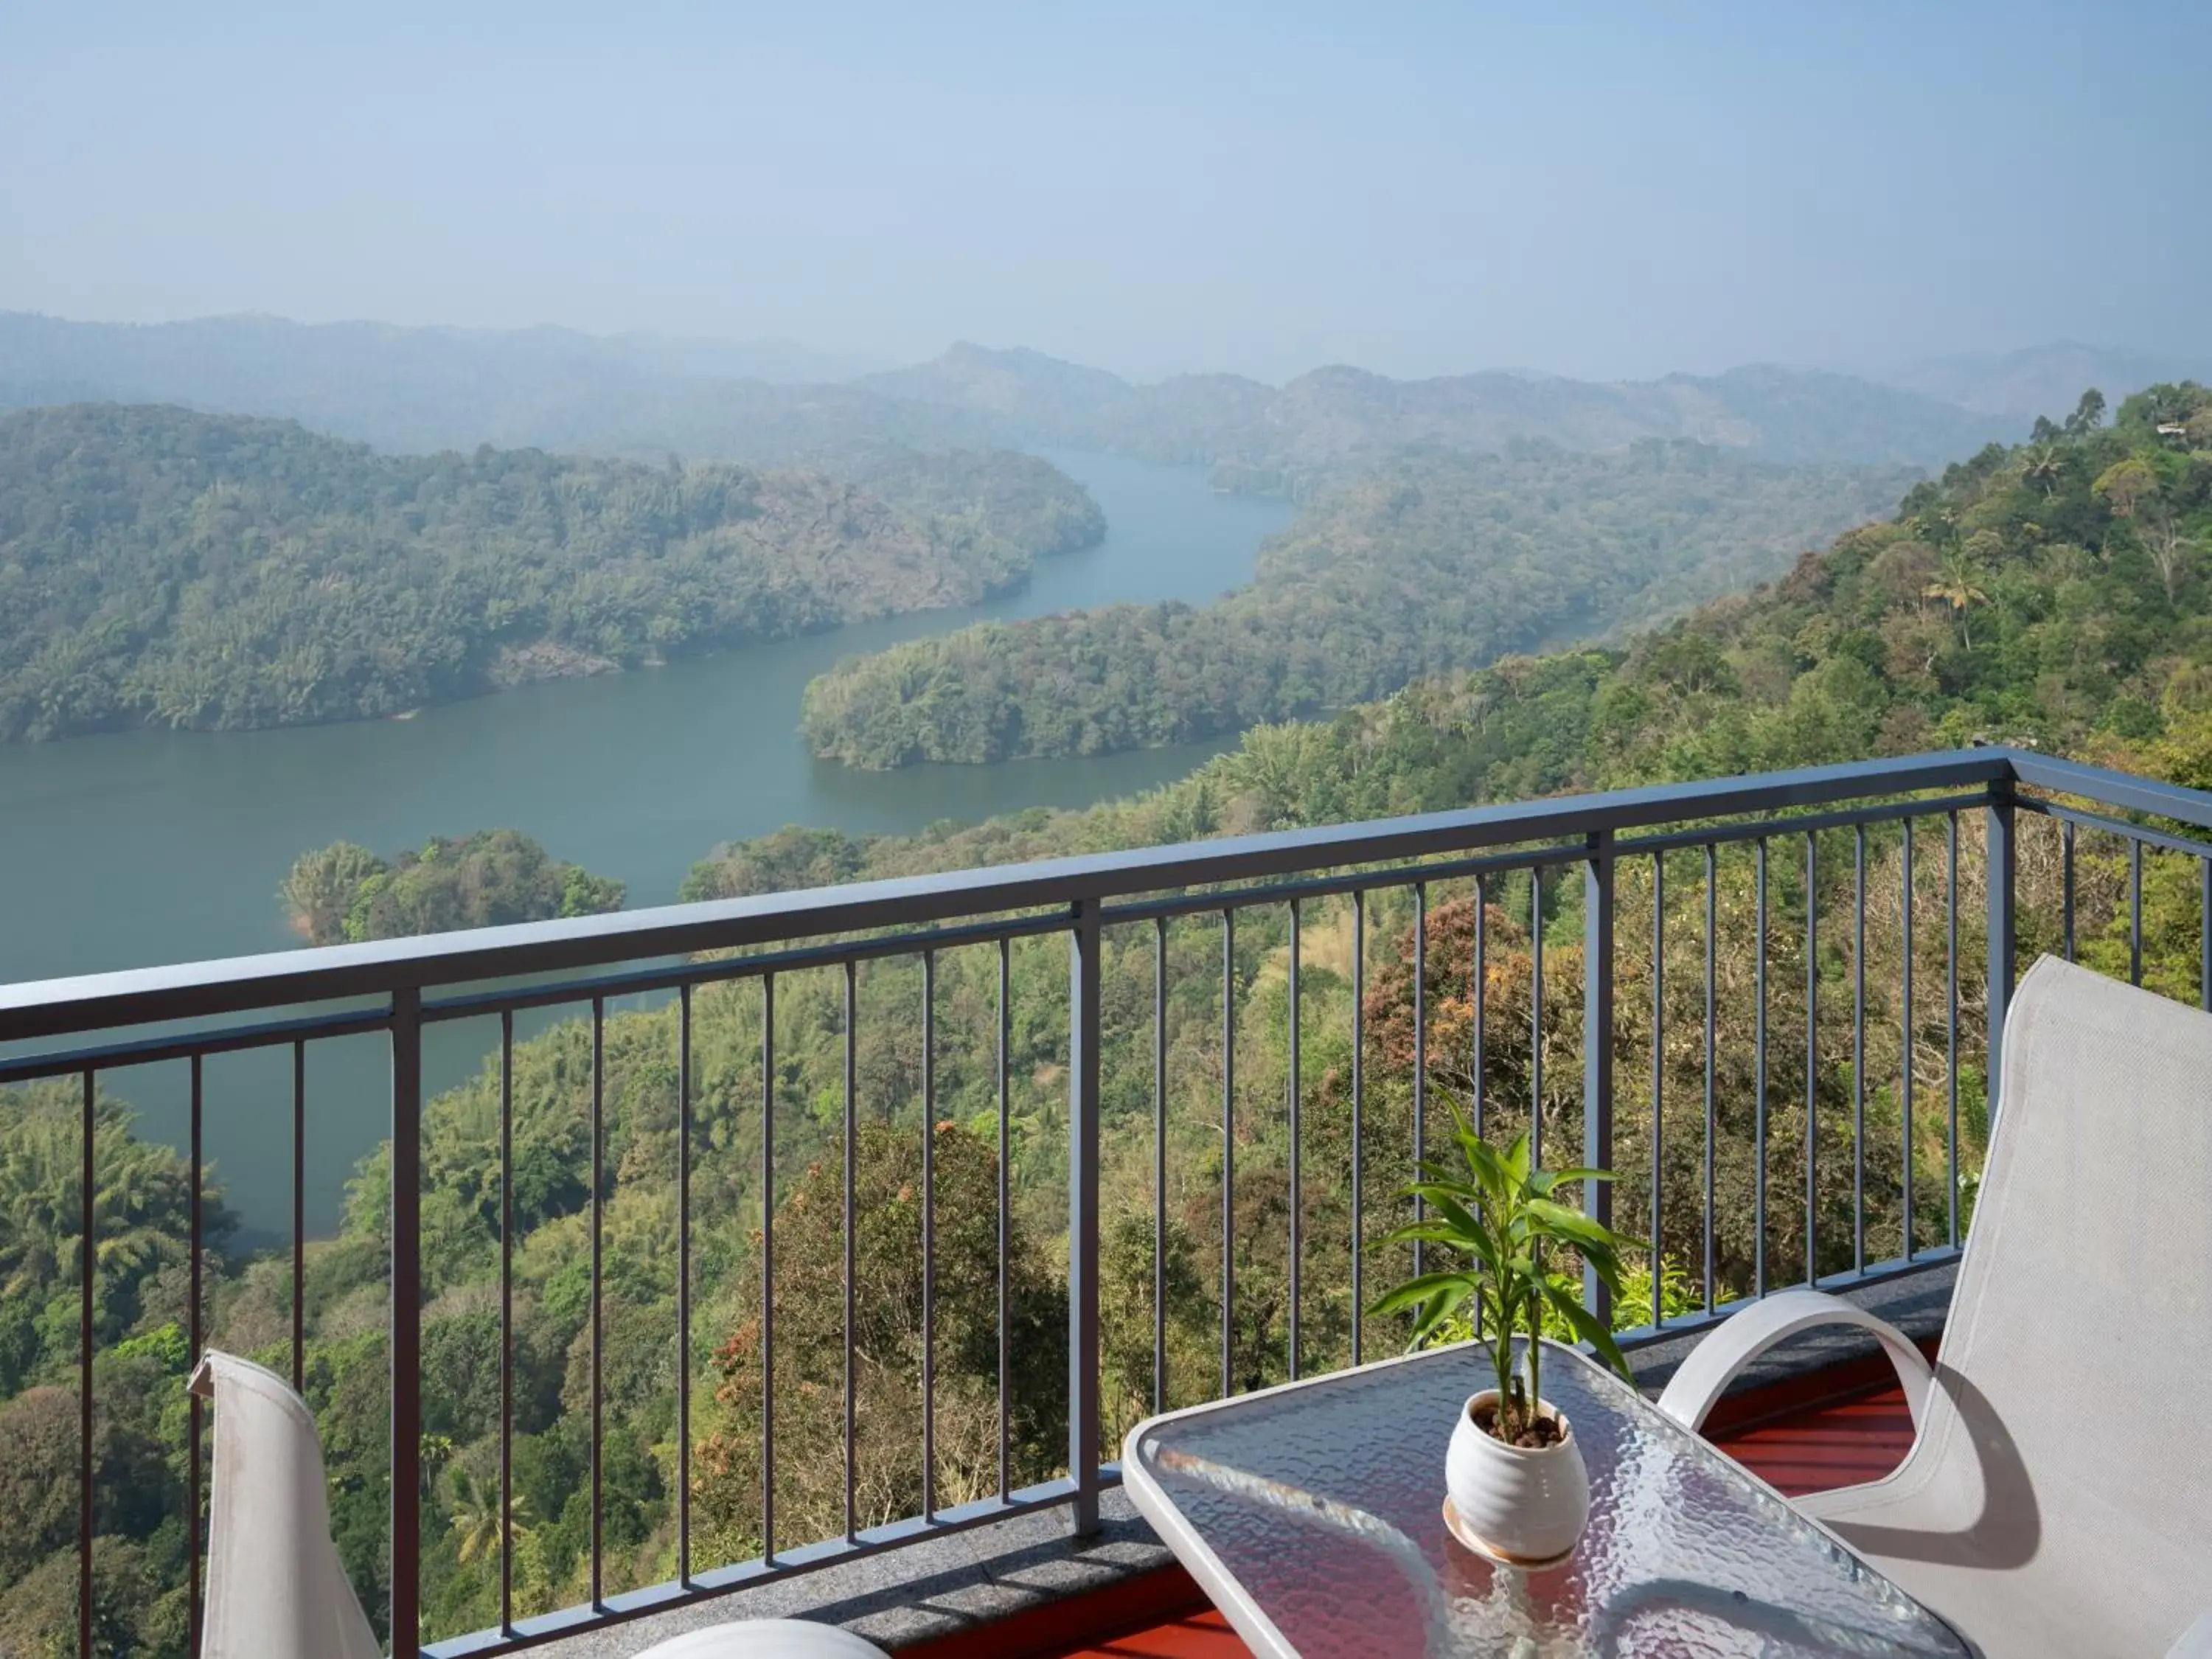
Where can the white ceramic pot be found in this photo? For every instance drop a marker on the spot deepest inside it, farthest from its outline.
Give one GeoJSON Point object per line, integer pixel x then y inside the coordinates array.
{"type": "Point", "coordinates": [1519, 1505]}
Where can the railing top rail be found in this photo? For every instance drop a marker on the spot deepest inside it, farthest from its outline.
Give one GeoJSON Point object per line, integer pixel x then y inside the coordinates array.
{"type": "Point", "coordinates": [2123, 790]}
{"type": "Point", "coordinates": [56, 1007]}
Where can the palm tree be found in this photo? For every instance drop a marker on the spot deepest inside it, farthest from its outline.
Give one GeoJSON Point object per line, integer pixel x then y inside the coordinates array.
{"type": "Point", "coordinates": [475, 1515]}
{"type": "Point", "coordinates": [2044, 465]}
{"type": "Point", "coordinates": [1956, 585]}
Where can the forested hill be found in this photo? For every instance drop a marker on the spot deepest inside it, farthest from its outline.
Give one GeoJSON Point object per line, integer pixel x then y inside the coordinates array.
{"type": "Point", "coordinates": [2057, 593]}
{"type": "Point", "coordinates": [1433, 564]}
{"type": "Point", "coordinates": [162, 567]}
{"type": "Point", "coordinates": [1327, 426]}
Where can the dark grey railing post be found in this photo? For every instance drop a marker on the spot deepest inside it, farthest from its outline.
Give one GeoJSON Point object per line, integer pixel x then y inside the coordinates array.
{"type": "Point", "coordinates": [2003, 938]}
{"type": "Point", "coordinates": [1597, 1048]}
{"type": "Point", "coordinates": [406, 1319]}
{"type": "Point", "coordinates": [1083, 1037]}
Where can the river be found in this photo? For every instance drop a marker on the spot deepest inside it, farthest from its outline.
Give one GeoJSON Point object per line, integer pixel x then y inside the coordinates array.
{"type": "Point", "coordinates": [156, 846]}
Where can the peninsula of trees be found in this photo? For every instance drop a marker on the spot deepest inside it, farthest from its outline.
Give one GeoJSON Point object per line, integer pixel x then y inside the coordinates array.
{"type": "Point", "coordinates": [159, 567]}
{"type": "Point", "coordinates": [343, 893]}
{"type": "Point", "coordinates": [1432, 563]}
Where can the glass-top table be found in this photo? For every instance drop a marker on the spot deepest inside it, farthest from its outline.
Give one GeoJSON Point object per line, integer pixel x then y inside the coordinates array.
{"type": "Point", "coordinates": [1312, 1513]}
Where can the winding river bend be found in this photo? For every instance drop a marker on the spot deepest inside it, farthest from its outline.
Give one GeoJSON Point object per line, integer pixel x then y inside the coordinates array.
{"type": "Point", "coordinates": [158, 847]}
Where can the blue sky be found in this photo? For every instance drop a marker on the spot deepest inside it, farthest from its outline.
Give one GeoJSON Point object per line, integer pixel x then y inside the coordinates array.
{"type": "Point", "coordinates": [1605, 190]}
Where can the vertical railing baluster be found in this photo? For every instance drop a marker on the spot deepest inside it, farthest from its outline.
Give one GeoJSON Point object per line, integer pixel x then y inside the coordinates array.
{"type": "Point", "coordinates": [1420, 1056]}
{"type": "Point", "coordinates": [929, 1235]}
{"type": "Point", "coordinates": [1228, 1151]}
{"type": "Point", "coordinates": [1005, 1240]}
{"type": "Point", "coordinates": [1597, 1050]}
{"type": "Point", "coordinates": [1858, 1049]}
{"type": "Point", "coordinates": [598, 1323]}
{"type": "Point", "coordinates": [194, 1245]}
{"type": "Point", "coordinates": [299, 1215]}
{"type": "Point", "coordinates": [1479, 990]}
{"type": "Point", "coordinates": [1086, 973]}
{"type": "Point", "coordinates": [506, 1340]}
{"type": "Point", "coordinates": [2000, 862]}
{"type": "Point", "coordinates": [767, 1266]}
{"type": "Point", "coordinates": [405, 1347]}
{"type": "Point", "coordinates": [851, 1127]}
{"type": "Point", "coordinates": [2204, 934]}
{"type": "Point", "coordinates": [1758, 1082]}
{"type": "Point", "coordinates": [1951, 1038]}
{"type": "Point", "coordinates": [1296, 1239]}
{"type": "Point", "coordinates": [1658, 1083]}
{"type": "Point", "coordinates": [1904, 1077]}
{"type": "Point", "coordinates": [87, 1254]}
{"type": "Point", "coordinates": [1536, 1015]}
{"type": "Point", "coordinates": [2066, 883]}
{"type": "Point", "coordinates": [683, 1285]}
{"type": "Point", "coordinates": [1359, 1103]}
{"type": "Point", "coordinates": [1160, 1165]}
{"type": "Point", "coordinates": [1712, 955]}
{"type": "Point", "coordinates": [1812, 1058]}
{"type": "Point", "coordinates": [2135, 911]}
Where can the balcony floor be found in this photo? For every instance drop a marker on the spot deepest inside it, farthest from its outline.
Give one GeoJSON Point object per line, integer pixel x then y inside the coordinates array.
{"type": "Point", "coordinates": [1835, 1443]}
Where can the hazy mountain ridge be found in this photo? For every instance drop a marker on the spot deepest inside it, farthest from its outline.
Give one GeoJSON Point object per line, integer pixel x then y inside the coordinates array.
{"type": "Point", "coordinates": [1324, 426]}
{"type": "Point", "coordinates": [2044, 379]}
{"type": "Point", "coordinates": [422, 389]}
{"type": "Point", "coordinates": [417, 390]}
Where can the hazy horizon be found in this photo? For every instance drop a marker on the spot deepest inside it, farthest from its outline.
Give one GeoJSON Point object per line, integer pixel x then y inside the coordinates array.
{"type": "Point", "coordinates": [840, 363]}
{"type": "Point", "coordinates": [1614, 196]}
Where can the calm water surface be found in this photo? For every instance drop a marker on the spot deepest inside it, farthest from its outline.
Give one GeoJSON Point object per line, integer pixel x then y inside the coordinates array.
{"type": "Point", "coordinates": [150, 847]}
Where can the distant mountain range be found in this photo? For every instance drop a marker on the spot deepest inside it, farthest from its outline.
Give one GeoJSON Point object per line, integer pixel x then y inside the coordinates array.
{"type": "Point", "coordinates": [769, 403]}
{"type": "Point", "coordinates": [422, 389]}
{"type": "Point", "coordinates": [1335, 422]}
{"type": "Point", "coordinates": [2044, 379]}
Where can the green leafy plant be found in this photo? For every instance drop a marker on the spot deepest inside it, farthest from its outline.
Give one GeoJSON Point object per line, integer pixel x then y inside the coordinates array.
{"type": "Point", "coordinates": [1498, 1212]}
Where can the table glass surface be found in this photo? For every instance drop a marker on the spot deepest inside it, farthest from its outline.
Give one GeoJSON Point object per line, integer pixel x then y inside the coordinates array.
{"type": "Point", "coordinates": [1684, 1554]}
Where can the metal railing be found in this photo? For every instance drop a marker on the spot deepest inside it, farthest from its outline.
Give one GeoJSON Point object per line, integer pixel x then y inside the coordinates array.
{"type": "Point", "coordinates": [1644, 844]}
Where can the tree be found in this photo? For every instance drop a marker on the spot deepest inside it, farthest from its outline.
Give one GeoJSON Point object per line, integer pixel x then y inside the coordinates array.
{"type": "Point", "coordinates": [1957, 585]}
{"type": "Point", "coordinates": [2125, 484]}
{"type": "Point", "coordinates": [2088, 415]}
{"type": "Point", "coordinates": [2169, 545]}
{"type": "Point", "coordinates": [321, 887]}
{"type": "Point", "coordinates": [2045, 466]}
{"type": "Point", "coordinates": [475, 1522]}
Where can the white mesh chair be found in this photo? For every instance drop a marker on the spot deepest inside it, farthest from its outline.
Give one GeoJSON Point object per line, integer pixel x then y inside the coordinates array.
{"type": "Point", "coordinates": [2058, 1498]}
{"type": "Point", "coordinates": [274, 1582]}
{"type": "Point", "coordinates": [276, 1589]}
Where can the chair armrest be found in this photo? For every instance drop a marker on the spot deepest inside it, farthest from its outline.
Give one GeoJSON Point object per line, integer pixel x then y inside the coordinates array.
{"type": "Point", "coordinates": [1715, 1362]}
{"type": "Point", "coordinates": [765, 1638]}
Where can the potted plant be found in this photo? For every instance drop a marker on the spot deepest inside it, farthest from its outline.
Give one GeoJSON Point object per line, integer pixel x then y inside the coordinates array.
{"type": "Point", "coordinates": [1518, 1489]}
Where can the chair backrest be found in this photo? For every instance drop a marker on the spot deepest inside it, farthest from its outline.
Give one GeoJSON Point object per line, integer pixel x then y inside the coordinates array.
{"type": "Point", "coordinates": [2079, 1340]}
{"type": "Point", "coordinates": [276, 1589]}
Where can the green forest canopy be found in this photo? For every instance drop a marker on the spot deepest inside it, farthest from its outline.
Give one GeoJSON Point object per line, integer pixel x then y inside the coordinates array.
{"type": "Point", "coordinates": [1431, 563]}
{"type": "Point", "coordinates": [165, 567]}
{"type": "Point", "coordinates": [2052, 592]}
{"type": "Point", "coordinates": [345, 893]}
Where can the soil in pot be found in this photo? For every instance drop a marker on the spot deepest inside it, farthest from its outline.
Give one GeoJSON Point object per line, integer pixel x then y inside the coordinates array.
{"type": "Point", "coordinates": [1544, 1431]}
